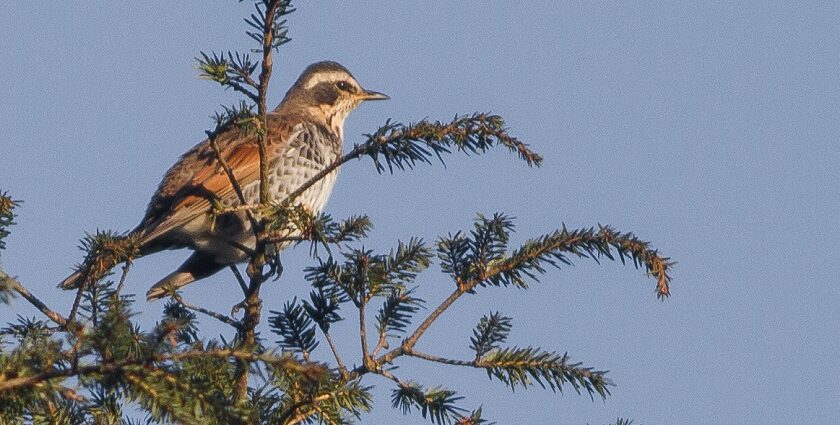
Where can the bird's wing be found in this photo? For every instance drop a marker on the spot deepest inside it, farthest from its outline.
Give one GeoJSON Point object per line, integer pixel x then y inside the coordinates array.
{"type": "Point", "coordinates": [190, 187]}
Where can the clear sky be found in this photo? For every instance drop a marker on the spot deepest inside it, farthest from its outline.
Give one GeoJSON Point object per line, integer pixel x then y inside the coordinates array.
{"type": "Point", "coordinates": [709, 128]}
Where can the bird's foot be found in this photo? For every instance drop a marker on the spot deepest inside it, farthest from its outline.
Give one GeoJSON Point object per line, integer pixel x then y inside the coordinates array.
{"type": "Point", "coordinates": [275, 266]}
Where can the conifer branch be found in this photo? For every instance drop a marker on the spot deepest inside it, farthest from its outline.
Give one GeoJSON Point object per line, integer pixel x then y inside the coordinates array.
{"type": "Point", "coordinates": [482, 259]}
{"type": "Point", "coordinates": [403, 146]}
{"type": "Point", "coordinates": [437, 403]}
{"type": "Point", "coordinates": [233, 71]}
{"type": "Point", "coordinates": [366, 360]}
{"type": "Point", "coordinates": [491, 331]}
{"type": "Point", "coordinates": [328, 405]}
{"type": "Point", "coordinates": [7, 216]}
{"type": "Point", "coordinates": [117, 366]}
{"type": "Point", "coordinates": [323, 310]}
{"type": "Point", "coordinates": [522, 366]}
{"type": "Point", "coordinates": [295, 328]}
{"type": "Point", "coordinates": [554, 249]}
{"type": "Point", "coordinates": [103, 251]}
{"type": "Point", "coordinates": [395, 315]}
{"type": "Point", "coordinates": [175, 377]}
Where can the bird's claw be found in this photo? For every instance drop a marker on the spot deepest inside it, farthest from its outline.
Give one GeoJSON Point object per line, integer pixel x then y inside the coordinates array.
{"type": "Point", "coordinates": [236, 307]}
{"type": "Point", "coordinates": [275, 266]}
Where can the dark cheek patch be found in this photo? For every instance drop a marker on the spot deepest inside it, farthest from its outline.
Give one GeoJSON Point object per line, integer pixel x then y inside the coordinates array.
{"type": "Point", "coordinates": [325, 94]}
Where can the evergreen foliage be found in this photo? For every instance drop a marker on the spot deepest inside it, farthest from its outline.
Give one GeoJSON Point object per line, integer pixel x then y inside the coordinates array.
{"type": "Point", "coordinates": [95, 365]}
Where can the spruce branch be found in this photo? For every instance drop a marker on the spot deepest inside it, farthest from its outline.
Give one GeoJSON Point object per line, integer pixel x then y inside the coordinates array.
{"type": "Point", "coordinates": [523, 366]}
{"type": "Point", "coordinates": [402, 266]}
{"type": "Point", "coordinates": [240, 116]}
{"type": "Point", "coordinates": [295, 328]}
{"type": "Point", "coordinates": [395, 315]}
{"type": "Point", "coordinates": [175, 377]}
{"type": "Point", "coordinates": [104, 250]}
{"type": "Point", "coordinates": [474, 418]}
{"type": "Point", "coordinates": [555, 248]}
{"type": "Point", "coordinates": [364, 275]}
{"type": "Point", "coordinates": [403, 146]}
{"type": "Point", "coordinates": [233, 71]}
{"type": "Point", "coordinates": [296, 224]}
{"type": "Point", "coordinates": [436, 404]}
{"type": "Point", "coordinates": [323, 310]}
{"type": "Point", "coordinates": [269, 30]}
{"type": "Point", "coordinates": [482, 259]}
{"type": "Point", "coordinates": [7, 216]}
{"type": "Point", "coordinates": [330, 403]}
{"type": "Point", "coordinates": [491, 331]}
{"type": "Point", "coordinates": [116, 366]}
{"type": "Point", "coordinates": [177, 317]}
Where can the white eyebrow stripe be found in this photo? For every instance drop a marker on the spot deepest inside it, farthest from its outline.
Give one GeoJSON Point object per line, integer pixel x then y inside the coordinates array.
{"type": "Point", "coordinates": [328, 77]}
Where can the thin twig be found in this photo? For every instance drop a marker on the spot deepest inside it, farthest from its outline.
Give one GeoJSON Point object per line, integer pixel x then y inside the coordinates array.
{"type": "Point", "coordinates": [357, 151]}
{"type": "Point", "coordinates": [363, 330]}
{"type": "Point", "coordinates": [242, 89]}
{"type": "Point", "coordinates": [288, 419]}
{"type": "Point", "coordinates": [16, 286]}
{"type": "Point", "coordinates": [262, 109]}
{"type": "Point", "coordinates": [409, 343]}
{"type": "Point", "coordinates": [341, 366]}
{"type": "Point", "coordinates": [240, 279]}
{"type": "Point", "coordinates": [229, 171]}
{"type": "Point", "coordinates": [120, 286]}
{"type": "Point", "coordinates": [389, 375]}
{"type": "Point", "coordinates": [78, 300]}
{"type": "Point", "coordinates": [233, 181]}
{"type": "Point", "coordinates": [383, 342]}
{"type": "Point", "coordinates": [218, 316]}
{"type": "Point", "coordinates": [436, 359]}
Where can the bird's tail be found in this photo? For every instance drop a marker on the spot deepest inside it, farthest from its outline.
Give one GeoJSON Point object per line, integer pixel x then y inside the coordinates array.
{"type": "Point", "coordinates": [198, 266]}
{"type": "Point", "coordinates": [147, 247]}
{"type": "Point", "coordinates": [173, 281]}
{"type": "Point", "coordinates": [72, 281]}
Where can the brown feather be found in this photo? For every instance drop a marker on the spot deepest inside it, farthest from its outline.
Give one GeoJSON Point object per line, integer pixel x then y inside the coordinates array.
{"type": "Point", "coordinates": [190, 186]}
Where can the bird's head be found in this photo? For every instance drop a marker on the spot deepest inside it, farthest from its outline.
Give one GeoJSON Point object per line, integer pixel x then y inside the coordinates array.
{"type": "Point", "coordinates": [328, 91]}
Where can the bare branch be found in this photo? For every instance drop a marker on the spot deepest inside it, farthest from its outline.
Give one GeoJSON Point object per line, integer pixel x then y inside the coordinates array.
{"type": "Point", "coordinates": [16, 286]}
{"type": "Point", "coordinates": [218, 316]}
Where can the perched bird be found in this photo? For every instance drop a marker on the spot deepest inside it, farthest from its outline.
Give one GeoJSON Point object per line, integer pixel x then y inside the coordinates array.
{"type": "Point", "coordinates": [305, 134]}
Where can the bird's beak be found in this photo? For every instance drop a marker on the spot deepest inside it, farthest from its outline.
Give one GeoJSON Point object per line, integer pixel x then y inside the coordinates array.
{"type": "Point", "coordinates": [373, 95]}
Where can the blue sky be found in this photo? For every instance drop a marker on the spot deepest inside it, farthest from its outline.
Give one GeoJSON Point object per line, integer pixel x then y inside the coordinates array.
{"type": "Point", "coordinates": [709, 128]}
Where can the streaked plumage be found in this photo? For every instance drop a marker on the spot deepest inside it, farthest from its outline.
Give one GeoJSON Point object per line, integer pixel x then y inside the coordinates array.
{"type": "Point", "coordinates": [305, 133]}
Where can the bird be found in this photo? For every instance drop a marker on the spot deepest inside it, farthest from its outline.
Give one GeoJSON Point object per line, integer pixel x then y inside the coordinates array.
{"type": "Point", "coordinates": [305, 133]}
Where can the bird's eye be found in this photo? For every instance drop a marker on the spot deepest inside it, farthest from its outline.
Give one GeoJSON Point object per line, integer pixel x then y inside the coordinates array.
{"type": "Point", "coordinates": [344, 86]}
